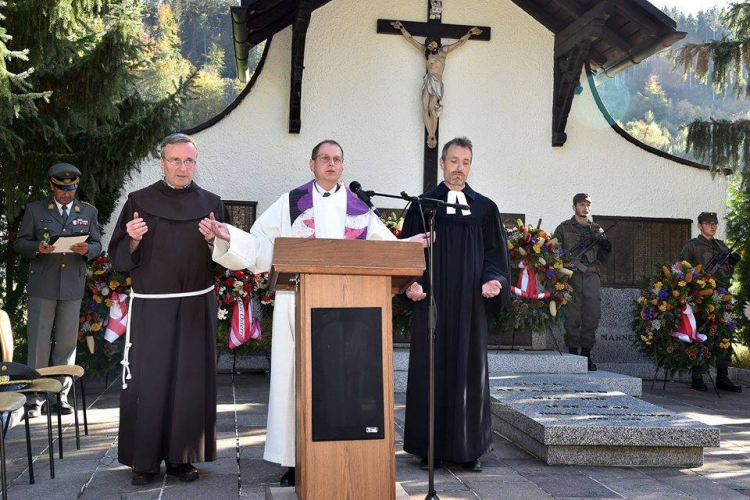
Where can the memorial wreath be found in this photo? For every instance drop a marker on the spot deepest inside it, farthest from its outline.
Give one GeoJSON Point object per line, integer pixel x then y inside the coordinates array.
{"type": "Point", "coordinates": [684, 319]}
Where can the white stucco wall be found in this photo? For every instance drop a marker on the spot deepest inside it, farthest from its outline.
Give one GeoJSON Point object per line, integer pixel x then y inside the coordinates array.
{"type": "Point", "coordinates": [363, 89]}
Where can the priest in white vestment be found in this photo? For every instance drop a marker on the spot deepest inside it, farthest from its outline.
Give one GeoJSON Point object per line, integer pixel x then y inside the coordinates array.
{"type": "Point", "coordinates": [322, 208]}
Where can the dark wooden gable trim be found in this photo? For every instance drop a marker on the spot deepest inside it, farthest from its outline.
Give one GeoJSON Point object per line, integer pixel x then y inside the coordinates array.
{"type": "Point", "coordinates": [572, 50]}
{"type": "Point", "coordinates": [299, 33]}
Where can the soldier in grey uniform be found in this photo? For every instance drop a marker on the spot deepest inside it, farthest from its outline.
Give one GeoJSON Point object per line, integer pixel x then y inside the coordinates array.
{"type": "Point", "coordinates": [584, 310]}
{"type": "Point", "coordinates": [56, 280]}
{"type": "Point", "coordinates": [703, 250]}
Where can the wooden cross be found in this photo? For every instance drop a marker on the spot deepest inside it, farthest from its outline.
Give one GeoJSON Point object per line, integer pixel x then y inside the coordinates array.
{"type": "Point", "coordinates": [433, 28]}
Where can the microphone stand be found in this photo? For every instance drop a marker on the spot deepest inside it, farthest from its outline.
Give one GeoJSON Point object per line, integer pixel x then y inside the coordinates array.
{"type": "Point", "coordinates": [429, 206]}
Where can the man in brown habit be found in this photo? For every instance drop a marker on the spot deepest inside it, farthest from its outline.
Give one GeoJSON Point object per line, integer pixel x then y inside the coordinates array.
{"type": "Point", "coordinates": [168, 400]}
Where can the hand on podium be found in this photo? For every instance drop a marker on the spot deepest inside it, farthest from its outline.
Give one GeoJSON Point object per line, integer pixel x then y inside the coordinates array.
{"type": "Point", "coordinates": [423, 238]}
{"type": "Point", "coordinates": [415, 292]}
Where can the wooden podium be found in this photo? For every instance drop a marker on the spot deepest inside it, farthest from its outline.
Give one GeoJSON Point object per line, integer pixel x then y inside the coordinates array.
{"type": "Point", "coordinates": [344, 360]}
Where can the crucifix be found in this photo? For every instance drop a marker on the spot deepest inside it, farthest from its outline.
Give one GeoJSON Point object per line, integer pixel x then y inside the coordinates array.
{"type": "Point", "coordinates": [435, 54]}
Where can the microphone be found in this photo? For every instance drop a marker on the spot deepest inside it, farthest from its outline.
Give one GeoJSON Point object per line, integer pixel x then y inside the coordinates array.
{"type": "Point", "coordinates": [356, 188]}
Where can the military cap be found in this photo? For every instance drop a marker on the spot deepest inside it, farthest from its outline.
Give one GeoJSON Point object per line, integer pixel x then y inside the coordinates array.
{"type": "Point", "coordinates": [581, 197]}
{"type": "Point", "coordinates": [65, 176]}
{"type": "Point", "coordinates": [708, 217]}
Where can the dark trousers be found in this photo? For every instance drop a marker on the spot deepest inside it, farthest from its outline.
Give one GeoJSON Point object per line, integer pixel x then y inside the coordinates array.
{"type": "Point", "coordinates": [584, 311]}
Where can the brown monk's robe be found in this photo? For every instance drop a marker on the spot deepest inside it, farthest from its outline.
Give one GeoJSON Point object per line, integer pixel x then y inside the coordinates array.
{"type": "Point", "coordinates": [168, 411]}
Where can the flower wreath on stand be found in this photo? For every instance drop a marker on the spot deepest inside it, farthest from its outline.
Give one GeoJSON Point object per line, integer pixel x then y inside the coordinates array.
{"type": "Point", "coordinates": [245, 311]}
{"type": "Point", "coordinates": [104, 287]}
{"type": "Point", "coordinates": [684, 319]}
{"type": "Point", "coordinates": [539, 280]}
{"type": "Point", "coordinates": [401, 313]}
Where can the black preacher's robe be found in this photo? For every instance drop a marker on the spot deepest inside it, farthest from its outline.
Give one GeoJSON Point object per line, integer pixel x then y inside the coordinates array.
{"type": "Point", "coordinates": [470, 250]}
{"type": "Point", "coordinates": [168, 411]}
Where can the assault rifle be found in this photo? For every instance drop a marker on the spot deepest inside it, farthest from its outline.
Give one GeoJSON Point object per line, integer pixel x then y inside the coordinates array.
{"type": "Point", "coordinates": [720, 259]}
{"type": "Point", "coordinates": [586, 245]}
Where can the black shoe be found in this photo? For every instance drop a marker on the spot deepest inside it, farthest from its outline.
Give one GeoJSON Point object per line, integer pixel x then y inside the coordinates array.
{"type": "Point", "coordinates": [424, 466]}
{"type": "Point", "coordinates": [66, 408]}
{"type": "Point", "coordinates": [586, 351]}
{"type": "Point", "coordinates": [699, 385]}
{"type": "Point", "coordinates": [287, 479]}
{"type": "Point", "coordinates": [183, 472]}
{"type": "Point", "coordinates": [473, 466]}
{"type": "Point", "coordinates": [142, 478]}
{"type": "Point", "coordinates": [34, 411]}
{"type": "Point", "coordinates": [725, 384]}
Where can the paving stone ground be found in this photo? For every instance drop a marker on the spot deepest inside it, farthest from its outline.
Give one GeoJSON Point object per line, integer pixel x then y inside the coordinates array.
{"type": "Point", "coordinates": [509, 472]}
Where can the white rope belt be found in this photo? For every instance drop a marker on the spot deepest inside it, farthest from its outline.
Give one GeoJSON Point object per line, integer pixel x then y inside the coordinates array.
{"type": "Point", "coordinates": [126, 375]}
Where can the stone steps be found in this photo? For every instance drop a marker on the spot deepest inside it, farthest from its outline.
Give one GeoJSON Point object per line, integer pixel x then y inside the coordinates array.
{"type": "Point", "coordinates": [575, 422]}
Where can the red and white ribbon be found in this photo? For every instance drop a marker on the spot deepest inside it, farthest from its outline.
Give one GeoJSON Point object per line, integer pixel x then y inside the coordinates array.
{"type": "Point", "coordinates": [118, 317]}
{"type": "Point", "coordinates": [526, 285]}
{"type": "Point", "coordinates": [244, 326]}
{"type": "Point", "coordinates": [687, 331]}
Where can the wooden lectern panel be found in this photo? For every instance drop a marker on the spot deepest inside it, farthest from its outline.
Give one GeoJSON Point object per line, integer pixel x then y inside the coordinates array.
{"type": "Point", "coordinates": [401, 260]}
{"type": "Point", "coordinates": [361, 469]}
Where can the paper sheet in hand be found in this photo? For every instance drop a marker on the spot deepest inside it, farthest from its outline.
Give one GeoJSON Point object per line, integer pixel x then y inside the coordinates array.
{"type": "Point", "coordinates": [63, 243]}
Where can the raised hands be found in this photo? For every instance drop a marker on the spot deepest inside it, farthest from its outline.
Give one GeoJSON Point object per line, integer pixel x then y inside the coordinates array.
{"type": "Point", "coordinates": [136, 228]}
{"type": "Point", "coordinates": [210, 228]}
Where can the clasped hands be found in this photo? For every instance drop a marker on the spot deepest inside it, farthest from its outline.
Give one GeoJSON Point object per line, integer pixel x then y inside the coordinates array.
{"type": "Point", "coordinates": [489, 290]}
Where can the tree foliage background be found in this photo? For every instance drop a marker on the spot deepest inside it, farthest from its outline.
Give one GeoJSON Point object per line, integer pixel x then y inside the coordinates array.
{"type": "Point", "coordinates": [98, 83]}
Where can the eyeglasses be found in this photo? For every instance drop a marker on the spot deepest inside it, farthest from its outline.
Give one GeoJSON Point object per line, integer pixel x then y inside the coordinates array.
{"type": "Point", "coordinates": [176, 162]}
{"type": "Point", "coordinates": [337, 160]}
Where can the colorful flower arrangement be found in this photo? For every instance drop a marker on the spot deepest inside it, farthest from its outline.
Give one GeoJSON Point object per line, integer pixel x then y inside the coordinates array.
{"type": "Point", "coordinates": [246, 286]}
{"type": "Point", "coordinates": [540, 287]}
{"type": "Point", "coordinates": [684, 319]}
{"type": "Point", "coordinates": [393, 222]}
{"type": "Point", "coordinates": [102, 284]}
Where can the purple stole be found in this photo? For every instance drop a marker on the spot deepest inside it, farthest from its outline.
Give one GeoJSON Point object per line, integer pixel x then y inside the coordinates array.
{"type": "Point", "coordinates": [303, 218]}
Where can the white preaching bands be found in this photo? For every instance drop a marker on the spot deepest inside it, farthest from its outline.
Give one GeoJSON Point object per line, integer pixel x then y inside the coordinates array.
{"type": "Point", "coordinates": [133, 295]}
{"type": "Point", "coordinates": [459, 198]}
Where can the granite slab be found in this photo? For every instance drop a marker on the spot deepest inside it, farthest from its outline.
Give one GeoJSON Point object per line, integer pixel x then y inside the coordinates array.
{"type": "Point", "coordinates": [585, 423]}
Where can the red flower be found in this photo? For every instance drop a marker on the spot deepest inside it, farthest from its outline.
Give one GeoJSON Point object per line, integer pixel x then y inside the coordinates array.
{"type": "Point", "coordinates": [228, 300]}
{"type": "Point", "coordinates": [229, 281]}
{"type": "Point", "coordinates": [240, 274]}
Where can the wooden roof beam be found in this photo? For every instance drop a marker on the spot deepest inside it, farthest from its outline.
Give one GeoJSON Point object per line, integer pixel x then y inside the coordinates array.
{"type": "Point", "coordinates": [587, 27]}
{"type": "Point", "coordinates": [299, 33]}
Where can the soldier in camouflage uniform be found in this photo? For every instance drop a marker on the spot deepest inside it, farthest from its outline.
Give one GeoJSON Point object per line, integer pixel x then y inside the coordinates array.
{"type": "Point", "coordinates": [584, 310]}
{"type": "Point", "coordinates": [703, 250]}
{"type": "Point", "coordinates": [56, 280]}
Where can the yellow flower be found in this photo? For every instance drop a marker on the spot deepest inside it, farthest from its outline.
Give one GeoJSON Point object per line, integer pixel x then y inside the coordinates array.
{"type": "Point", "coordinates": [97, 299]}
{"type": "Point", "coordinates": [113, 284]}
{"type": "Point", "coordinates": [663, 307]}
{"type": "Point", "coordinates": [99, 272]}
{"type": "Point", "coordinates": [686, 264]}
{"type": "Point", "coordinates": [510, 247]}
{"type": "Point", "coordinates": [711, 308]}
{"type": "Point", "coordinates": [641, 300]}
{"type": "Point", "coordinates": [128, 281]}
{"type": "Point", "coordinates": [559, 286]}
{"type": "Point", "coordinates": [537, 249]}
{"type": "Point", "coordinates": [108, 303]}
{"type": "Point", "coordinates": [712, 282]}
{"type": "Point", "coordinates": [96, 327]}
{"type": "Point", "coordinates": [558, 265]}
{"type": "Point", "coordinates": [681, 283]}
{"type": "Point", "coordinates": [658, 285]}
{"type": "Point", "coordinates": [701, 283]}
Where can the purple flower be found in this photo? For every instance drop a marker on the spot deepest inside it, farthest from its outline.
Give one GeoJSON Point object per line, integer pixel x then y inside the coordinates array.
{"type": "Point", "coordinates": [560, 250]}
{"type": "Point", "coordinates": [550, 273]}
{"type": "Point", "coordinates": [732, 325]}
{"type": "Point", "coordinates": [93, 306]}
{"type": "Point", "coordinates": [680, 276]}
{"type": "Point", "coordinates": [534, 241]}
{"type": "Point", "coordinates": [648, 313]}
{"type": "Point", "coordinates": [722, 291]}
{"type": "Point", "coordinates": [696, 275]}
{"type": "Point", "coordinates": [663, 294]}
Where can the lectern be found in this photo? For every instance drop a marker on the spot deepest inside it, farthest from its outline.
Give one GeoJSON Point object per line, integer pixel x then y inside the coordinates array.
{"type": "Point", "coordinates": [344, 360]}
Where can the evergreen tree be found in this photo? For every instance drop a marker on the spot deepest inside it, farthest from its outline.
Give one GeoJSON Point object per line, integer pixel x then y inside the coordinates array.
{"type": "Point", "coordinates": [89, 56]}
{"type": "Point", "coordinates": [726, 143]}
